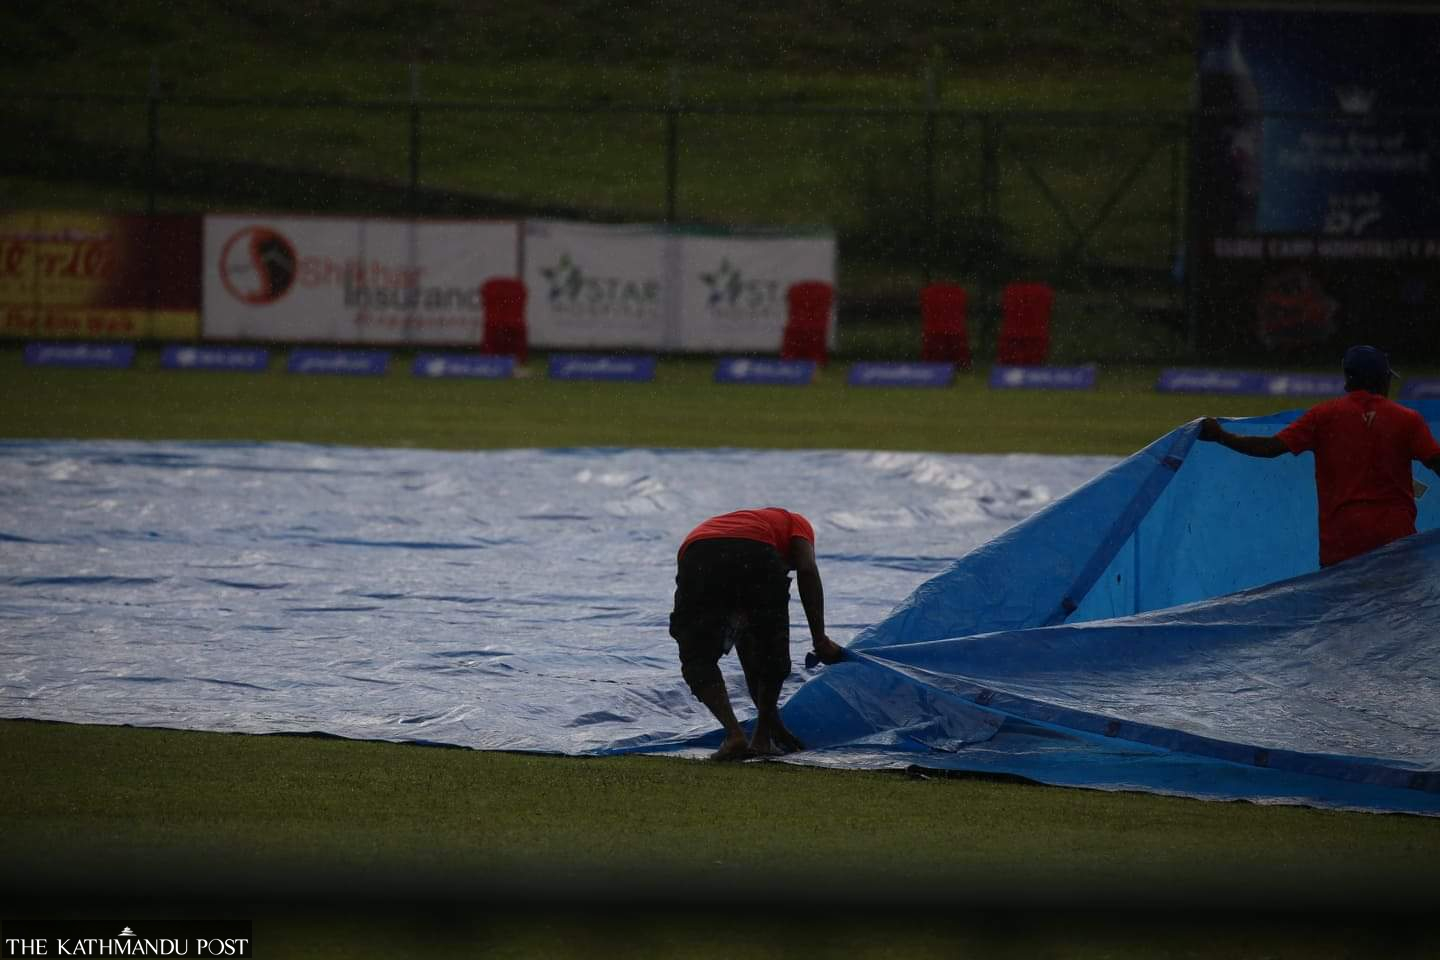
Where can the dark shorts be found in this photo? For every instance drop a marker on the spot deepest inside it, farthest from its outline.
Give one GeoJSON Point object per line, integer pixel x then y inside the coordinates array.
{"type": "Point", "coordinates": [731, 592]}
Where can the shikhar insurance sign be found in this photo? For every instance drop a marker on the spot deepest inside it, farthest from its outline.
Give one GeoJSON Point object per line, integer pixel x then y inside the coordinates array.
{"type": "Point", "coordinates": [338, 280]}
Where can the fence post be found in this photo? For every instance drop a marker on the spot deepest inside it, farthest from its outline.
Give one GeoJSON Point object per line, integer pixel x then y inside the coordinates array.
{"type": "Point", "coordinates": [672, 144]}
{"type": "Point", "coordinates": [990, 219]}
{"type": "Point", "coordinates": [1188, 235]}
{"type": "Point", "coordinates": [152, 136]}
{"type": "Point", "coordinates": [931, 98]}
{"type": "Point", "coordinates": [413, 194]}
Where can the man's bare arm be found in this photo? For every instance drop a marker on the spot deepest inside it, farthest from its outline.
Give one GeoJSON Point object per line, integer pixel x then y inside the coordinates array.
{"type": "Point", "coordinates": [1265, 447]}
{"type": "Point", "coordinates": [812, 598]}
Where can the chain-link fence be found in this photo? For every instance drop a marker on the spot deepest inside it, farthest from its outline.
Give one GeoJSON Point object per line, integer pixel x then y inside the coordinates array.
{"type": "Point", "coordinates": [1092, 203]}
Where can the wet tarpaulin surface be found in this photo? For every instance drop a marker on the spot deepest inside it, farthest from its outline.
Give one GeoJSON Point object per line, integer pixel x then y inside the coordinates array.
{"type": "Point", "coordinates": [1162, 627]}
{"type": "Point", "coordinates": [505, 600]}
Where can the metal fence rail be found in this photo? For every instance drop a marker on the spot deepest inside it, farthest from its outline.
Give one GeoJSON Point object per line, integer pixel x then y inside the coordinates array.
{"type": "Point", "coordinates": [1090, 200]}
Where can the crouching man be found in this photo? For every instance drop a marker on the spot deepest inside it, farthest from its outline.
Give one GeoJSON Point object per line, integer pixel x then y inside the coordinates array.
{"type": "Point", "coordinates": [732, 589]}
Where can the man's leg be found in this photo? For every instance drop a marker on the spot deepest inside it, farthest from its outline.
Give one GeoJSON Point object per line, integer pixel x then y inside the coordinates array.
{"type": "Point", "coordinates": [701, 645]}
{"type": "Point", "coordinates": [765, 655]}
{"type": "Point", "coordinates": [717, 699]}
{"type": "Point", "coordinates": [771, 736]}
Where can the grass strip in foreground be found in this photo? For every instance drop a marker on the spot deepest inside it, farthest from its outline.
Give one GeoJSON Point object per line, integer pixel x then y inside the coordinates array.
{"type": "Point", "coordinates": [111, 810]}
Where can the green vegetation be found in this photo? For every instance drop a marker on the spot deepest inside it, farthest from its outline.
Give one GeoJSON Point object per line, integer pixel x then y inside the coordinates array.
{"type": "Point", "coordinates": [869, 40]}
{"type": "Point", "coordinates": [559, 109]}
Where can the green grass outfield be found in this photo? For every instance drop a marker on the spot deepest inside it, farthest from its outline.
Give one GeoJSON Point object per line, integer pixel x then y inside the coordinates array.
{"type": "Point", "coordinates": [345, 849]}
{"type": "Point", "coordinates": [683, 407]}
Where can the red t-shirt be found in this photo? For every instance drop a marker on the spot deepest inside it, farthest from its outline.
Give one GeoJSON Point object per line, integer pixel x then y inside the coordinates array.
{"type": "Point", "coordinates": [1363, 446]}
{"type": "Point", "coordinates": [770, 525]}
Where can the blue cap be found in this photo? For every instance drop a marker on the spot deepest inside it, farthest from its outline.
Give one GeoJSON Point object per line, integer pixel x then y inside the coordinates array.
{"type": "Point", "coordinates": [1366, 363]}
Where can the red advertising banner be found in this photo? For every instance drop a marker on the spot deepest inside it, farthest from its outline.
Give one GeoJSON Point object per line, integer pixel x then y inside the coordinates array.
{"type": "Point", "coordinates": [99, 276]}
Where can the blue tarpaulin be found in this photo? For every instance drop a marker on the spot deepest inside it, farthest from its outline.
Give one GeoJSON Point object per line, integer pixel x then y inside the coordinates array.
{"type": "Point", "coordinates": [1160, 626]}
{"type": "Point", "coordinates": [1163, 628]}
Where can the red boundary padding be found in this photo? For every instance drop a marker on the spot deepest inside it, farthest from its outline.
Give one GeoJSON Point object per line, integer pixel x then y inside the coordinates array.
{"type": "Point", "coordinates": [1025, 324]}
{"type": "Point", "coordinates": [809, 304]}
{"type": "Point", "coordinates": [943, 334]}
{"type": "Point", "coordinates": [504, 299]}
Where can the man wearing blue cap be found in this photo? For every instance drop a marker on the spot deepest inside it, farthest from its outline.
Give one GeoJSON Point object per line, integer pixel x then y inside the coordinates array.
{"type": "Point", "coordinates": [1363, 446]}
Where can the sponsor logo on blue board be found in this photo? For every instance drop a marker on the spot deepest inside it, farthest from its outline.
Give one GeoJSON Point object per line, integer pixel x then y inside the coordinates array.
{"type": "Point", "coordinates": [1420, 390]}
{"type": "Point", "coordinates": [902, 374]}
{"type": "Point", "coordinates": [1305, 384]}
{"type": "Point", "coordinates": [354, 363]}
{"type": "Point", "coordinates": [574, 366]}
{"type": "Point", "coordinates": [115, 355]}
{"type": "Point", "coordinates": [178, 356]}
{"type": "Point", "coordinates": [1186, 380]}
{"type": "Point", "coordinates": [473, 366]}
{"type": "Point", "coordinates": [788, 373]}
{"type": "Point", "coordinates": [1042, 378]}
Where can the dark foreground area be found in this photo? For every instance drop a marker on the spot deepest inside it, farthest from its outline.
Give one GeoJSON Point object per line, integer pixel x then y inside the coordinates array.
{"type": "Point", "coordinates": [337, 848]}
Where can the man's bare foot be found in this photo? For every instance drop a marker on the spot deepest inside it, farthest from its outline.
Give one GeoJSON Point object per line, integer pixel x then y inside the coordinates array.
{"type": "Point", "coordinates": [734, 748]}
{"type": "Point", "coordinates": [775, 743]}
{"type": "Point", "coordinates": [788, 741]}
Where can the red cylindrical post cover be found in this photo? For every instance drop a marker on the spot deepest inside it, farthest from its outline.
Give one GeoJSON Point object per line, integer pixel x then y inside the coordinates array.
{"type": "Point", "coordinates": [944, 337]}
{"type": "Point", "coordinates": [503, 300]}
{"type": "Point", "coordinates": [808, 323]}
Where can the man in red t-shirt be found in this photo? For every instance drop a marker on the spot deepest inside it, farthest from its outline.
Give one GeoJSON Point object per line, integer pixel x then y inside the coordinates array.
{"type": "Point", "coordinates": [1363, 445]}
{"type": "Point", "coordinates": [733, 590]}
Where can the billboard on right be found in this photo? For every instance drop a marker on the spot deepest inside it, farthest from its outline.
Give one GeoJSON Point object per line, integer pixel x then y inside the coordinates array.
{"type": "Point", "coordinates": [1314, 208]}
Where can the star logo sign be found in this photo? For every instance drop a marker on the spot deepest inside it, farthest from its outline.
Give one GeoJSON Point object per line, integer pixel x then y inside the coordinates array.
{"type": "Point", "coordinates": [565, 278]}
{"type": "Point", "coordinates": [725, 284]}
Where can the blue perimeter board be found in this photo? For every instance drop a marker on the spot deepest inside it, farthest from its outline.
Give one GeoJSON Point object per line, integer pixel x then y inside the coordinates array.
{"type": "Point", "coordinates": [1161, 627]}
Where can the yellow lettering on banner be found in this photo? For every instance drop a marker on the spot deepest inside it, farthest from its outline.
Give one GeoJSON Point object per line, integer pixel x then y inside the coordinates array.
{"type": "Point", "coordinates": [98, 323]}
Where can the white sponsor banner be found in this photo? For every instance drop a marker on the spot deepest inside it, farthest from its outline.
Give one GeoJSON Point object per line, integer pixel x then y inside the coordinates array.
{"type": "Point", "coordinates": [321, 279]}
{"type": "Point", "coordinates": [593, 285]}
{"type": "Point", "coordinates": [644, 287]}
{"type": "Point", "coordinates": [733, 292]}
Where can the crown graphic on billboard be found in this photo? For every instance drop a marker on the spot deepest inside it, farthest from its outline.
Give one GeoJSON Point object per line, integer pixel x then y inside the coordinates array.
{"type": "Point", "coordinates": [127, 932]}
{"type": "Point", "coordinates": [1355, 100]}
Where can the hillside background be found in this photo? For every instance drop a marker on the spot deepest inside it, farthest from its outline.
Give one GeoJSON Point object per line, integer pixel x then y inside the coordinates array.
{"type": "Point", "coordinates": [979, 142]}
